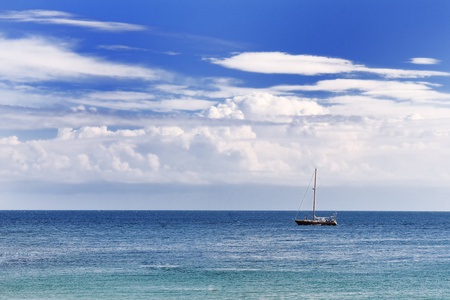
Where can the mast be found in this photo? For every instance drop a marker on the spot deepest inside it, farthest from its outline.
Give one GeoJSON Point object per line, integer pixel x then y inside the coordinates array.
{"type": "Point", "coordinates": [315, 184]}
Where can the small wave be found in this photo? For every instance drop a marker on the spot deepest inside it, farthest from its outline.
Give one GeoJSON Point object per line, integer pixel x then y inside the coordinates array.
{"type": "Point", "coordinates": [161, 266]}
{"type": "Point", "coordinates": [234, 270]}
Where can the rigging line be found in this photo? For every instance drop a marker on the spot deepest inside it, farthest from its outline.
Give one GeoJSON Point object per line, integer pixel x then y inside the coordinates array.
{"type": "Point", "coordinates": [304, 195]}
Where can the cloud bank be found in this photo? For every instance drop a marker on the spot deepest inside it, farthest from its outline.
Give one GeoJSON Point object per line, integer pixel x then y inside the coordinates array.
{"type": "Point", "coordinates": [369, 135]}
{"type": "Point", "coordinates": [354, 150]}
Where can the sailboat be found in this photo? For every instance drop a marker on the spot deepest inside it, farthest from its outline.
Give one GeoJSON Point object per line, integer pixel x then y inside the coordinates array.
{"type": "Point", "coordinates": [332, 221]}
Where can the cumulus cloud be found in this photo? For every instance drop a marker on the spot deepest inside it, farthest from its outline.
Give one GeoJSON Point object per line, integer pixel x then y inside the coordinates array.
{"type": "Point", "coordinates": [151, 154]}
{"type": "Point", "coordinates": [39, 59]}
{"type": "Point", "coordinates": [351, 150]}
{"type": "Point", "coordinates": [265, 107]}
{"type": "Point", "coordinates": [12, 140]}
{"type": "Point", "coordinates": [284, 63]}
{"type": "Point", "coordinates": [227, 110]}
{"type": "Point", "coordinates": [63, 18]}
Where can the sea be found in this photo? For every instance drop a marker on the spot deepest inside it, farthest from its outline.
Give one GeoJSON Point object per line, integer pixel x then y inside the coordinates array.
{"type": "Point", "coordinates": [223, 255]}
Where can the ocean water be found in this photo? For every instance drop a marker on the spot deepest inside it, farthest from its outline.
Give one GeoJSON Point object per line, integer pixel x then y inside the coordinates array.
{"type": "Point", "coordinates": [222, 255]}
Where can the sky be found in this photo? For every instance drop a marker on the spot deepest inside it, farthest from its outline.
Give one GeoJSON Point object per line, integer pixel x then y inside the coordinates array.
{"type": "Point", "coordinates": [225, 104]}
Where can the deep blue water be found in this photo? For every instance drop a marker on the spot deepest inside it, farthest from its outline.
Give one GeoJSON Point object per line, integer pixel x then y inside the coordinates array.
{"type": "Point", "coordinates": [222, 255]}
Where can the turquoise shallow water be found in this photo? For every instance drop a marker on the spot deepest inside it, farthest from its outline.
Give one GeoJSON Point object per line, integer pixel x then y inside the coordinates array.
{"type": "Point", "coordinates": [222, 255]}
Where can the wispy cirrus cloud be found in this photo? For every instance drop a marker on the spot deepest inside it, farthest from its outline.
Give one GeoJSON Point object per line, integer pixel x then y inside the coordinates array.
{"type": "Point", "coordinates": [284, 63]}
{"type": "Point", "coordinates": [400, 90]}
{"type": "Point", "coordinates": [68, 19]}
{"type": "Point", "coordinates": [128, 48]}
{"type": "Point", "coordinates": [141, 101]}
{"type": "Point", "coordinates": [40, 59]}
{"type": "Point", "coordinates": [63, 18]}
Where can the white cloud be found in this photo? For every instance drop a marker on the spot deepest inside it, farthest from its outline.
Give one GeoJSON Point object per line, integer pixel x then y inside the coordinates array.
{"type": "Point", "coordinates": [63, 18]}
{"type": "Point", "coordinates": [153, 154]}
{"type": "Point", "coordinates": [351, 151]}
{"type": "Point", "coordinates": [26, 96]}
{"type": "Point", "coordinates": [89, 132]}
{"type": "Point", "coordinates": [424, 61]}
{"type": "Point", "coordinates": [205, 89]}
{"type": "Point", "coordinates": [12, 140]}
{"type": "Point", "coordinates": [341, 85]}
{"type": "Point", "coordinates": [366, 131]}
{"type": "Point", "coordinates": [135, 101]}
{"type": "Point", "coordinates": [37, 13]}
{"type": "Point", "coordinates": [82, 108]}
{"type": "Point", "coordinates": [120, 95]}
{"type": "Point", "coordinates": [398, 73]}
{"type": "Point", "coordinates": [227, 110]}
{"type": "Point", "coordinates": [379, 109]}
{"type": "Point", "coordinates": [379, 99]}
{"type": "Point", "coordinates": [128, 48]}
{"type": "Point", "coordinates": [67, 19]}
{"type": "Point", "coordinates": [39, 59]}
{"type": "Point", "coordinates": [265, 107]}
{"type": "Point", "coordinates": [120, 48]}
{"type": "Point", "coordinates": [283, 63]}
{"type": "Point", "coordinates": [401, 90]}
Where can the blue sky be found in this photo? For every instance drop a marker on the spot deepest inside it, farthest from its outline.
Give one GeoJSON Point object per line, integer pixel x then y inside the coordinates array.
{"type": "Point", "coordinates": [224, 104]}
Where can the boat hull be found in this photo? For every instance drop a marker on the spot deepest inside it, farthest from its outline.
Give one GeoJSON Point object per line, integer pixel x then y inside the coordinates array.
{"type": "Point", "coordinates": [316, 222]}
